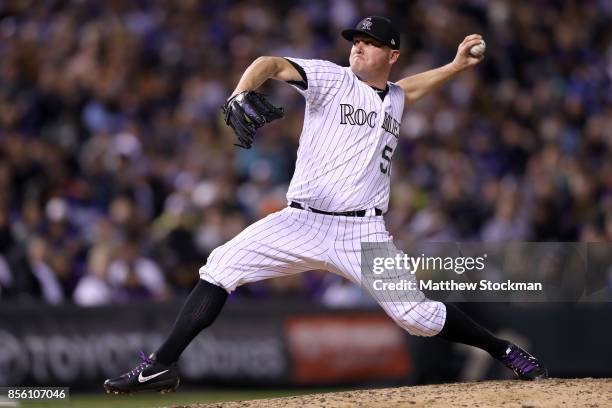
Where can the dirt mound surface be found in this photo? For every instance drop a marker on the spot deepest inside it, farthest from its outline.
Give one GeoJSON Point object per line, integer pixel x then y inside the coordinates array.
{"type": "Point", "coordinates": [584, 392]}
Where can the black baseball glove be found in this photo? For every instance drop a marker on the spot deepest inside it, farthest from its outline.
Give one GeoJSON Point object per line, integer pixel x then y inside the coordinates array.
{"type": "Point", "coordinates": [247, 112]}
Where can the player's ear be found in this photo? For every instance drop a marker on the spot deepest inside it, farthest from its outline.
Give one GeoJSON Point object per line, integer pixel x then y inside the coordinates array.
{"type": "Point", "coordinates": [393, 56]}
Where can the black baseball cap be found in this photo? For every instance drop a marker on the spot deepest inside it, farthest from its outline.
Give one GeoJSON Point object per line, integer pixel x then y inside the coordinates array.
{"type": "Point", "coordinates": [377, 27]}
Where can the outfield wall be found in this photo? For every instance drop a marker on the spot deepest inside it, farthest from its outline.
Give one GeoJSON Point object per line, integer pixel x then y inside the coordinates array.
{"type": "Point", "coordinates": [289, 343]}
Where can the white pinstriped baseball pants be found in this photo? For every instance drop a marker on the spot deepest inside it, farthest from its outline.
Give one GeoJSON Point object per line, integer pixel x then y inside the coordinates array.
{"type": "Point", "coordinates": [291, 241]}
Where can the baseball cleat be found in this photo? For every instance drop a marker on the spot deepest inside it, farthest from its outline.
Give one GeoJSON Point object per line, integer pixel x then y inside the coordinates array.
{"type": "Point", "coordinates": [148, 375]}
{"type": "Point", "coordinates": [524, 365]}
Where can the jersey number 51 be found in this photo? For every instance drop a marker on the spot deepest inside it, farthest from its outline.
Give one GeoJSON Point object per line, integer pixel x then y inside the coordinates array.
{"type": "Point", "coordinates": [385, 164]}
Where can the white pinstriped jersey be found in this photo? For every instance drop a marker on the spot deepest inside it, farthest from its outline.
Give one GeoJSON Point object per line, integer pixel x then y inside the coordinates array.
{"type": "Point", "coordinates": [343, 164]}
{"type": "Point", "coordinates": [347, 141]}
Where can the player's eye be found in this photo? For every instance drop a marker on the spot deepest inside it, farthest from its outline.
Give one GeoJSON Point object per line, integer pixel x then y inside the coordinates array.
{"type": "Point", "coordinates": [368, 42]}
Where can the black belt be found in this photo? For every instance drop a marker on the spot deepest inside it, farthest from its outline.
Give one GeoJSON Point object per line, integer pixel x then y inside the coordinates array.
{"type": "Point", "coordinates": [358, 213]}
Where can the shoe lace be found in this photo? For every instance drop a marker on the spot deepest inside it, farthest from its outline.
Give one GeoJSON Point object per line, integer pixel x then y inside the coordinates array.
{"type": "Point", "coordinates": [146, 361]}
{"type": "Point", "coordinates": [520, 361]}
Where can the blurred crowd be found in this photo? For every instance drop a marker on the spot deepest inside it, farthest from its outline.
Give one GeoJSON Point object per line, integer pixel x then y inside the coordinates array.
{"type": "Point", "coordinates": [118, 176]}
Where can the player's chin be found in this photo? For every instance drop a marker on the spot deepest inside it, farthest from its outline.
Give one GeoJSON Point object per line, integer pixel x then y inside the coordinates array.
{"type": "Point", "coordinates": [357, 64]}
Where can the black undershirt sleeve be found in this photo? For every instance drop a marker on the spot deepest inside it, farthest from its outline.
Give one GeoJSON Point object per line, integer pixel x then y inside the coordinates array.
{"type": "Point", "coordinates": [301, 84]}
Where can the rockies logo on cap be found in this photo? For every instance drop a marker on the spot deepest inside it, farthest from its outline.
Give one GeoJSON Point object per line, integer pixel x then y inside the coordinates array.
{"type": "Point", "coordinates": [366, 24]}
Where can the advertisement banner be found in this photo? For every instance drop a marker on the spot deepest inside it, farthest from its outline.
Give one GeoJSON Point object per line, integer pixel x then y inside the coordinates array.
{"type": "Point", "coordinates": [355, 347]}
{"type": "Point", "coordinates": [80, 347]}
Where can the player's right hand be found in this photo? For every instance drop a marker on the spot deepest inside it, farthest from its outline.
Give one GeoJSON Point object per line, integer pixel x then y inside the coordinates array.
{"type": "Point", "coordinates": [464, 59]}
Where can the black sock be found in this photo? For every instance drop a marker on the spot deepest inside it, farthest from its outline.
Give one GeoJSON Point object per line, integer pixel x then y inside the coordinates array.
{"type": "Point", "coordinates": [199, 311]}
{"type": "Point", "coordinates": [461, 329]}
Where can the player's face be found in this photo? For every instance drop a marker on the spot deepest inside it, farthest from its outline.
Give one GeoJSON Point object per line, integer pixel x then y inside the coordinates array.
{"type": "Point", "coordinates": [368, 56]}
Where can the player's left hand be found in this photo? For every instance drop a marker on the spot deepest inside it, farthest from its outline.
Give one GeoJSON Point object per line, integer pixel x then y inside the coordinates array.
{"type": "Point", "coordinates": [464, 59]}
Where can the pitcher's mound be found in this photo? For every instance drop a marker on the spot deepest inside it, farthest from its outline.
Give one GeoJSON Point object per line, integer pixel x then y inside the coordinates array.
{"type": "Point", "coordinates": [583, 392]}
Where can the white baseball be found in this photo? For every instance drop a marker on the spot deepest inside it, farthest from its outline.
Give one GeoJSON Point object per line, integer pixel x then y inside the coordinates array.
{"type": "Point", "coordinates": [478, 49]}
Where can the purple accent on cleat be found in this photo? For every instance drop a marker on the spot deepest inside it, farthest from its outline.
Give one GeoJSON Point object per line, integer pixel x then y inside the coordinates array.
{"type": "Point", "coordinates": [146, 361]}
{"type": "Point", "coordinates": [520, 362]}
{"type": "Point", "coordinates": [524, 365]}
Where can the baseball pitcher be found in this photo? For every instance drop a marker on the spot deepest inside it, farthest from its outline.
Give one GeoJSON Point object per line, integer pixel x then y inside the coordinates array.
{"type": "Point", "coordinates": [337, 196]}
